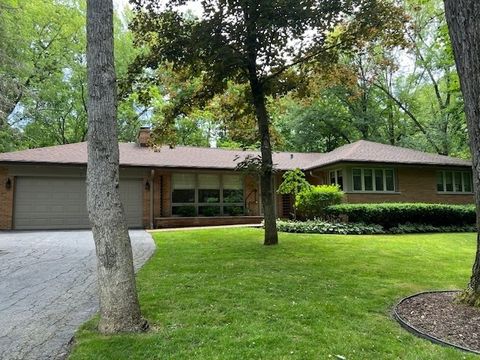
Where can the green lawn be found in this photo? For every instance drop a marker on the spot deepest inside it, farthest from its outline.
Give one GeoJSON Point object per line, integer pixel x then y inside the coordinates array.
{"type": "Point", "coordinates": [221, 294]}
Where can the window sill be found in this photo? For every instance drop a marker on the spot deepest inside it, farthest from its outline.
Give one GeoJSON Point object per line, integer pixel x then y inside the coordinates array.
{"type": "Point", "coordinates": [454, 193]}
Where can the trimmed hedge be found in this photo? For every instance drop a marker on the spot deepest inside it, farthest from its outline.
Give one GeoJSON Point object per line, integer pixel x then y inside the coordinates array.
{"type": "Point", "coordinates": [393, 214]}
{"type": "Point", "coordinates": [324, 227]}
{"type": "Point", "coordinates": [312, 201]}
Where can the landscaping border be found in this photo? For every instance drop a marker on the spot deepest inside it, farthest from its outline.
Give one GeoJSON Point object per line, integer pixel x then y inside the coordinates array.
{"type": "Point", "coordinates": [412, 329]}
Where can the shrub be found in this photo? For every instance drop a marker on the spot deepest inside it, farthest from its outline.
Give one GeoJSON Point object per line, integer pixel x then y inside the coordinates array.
{"type": "Point", "coordinates": [312, 201]}
{"type": "Point", "coordinates": [393, 214]}
{"type": "Point", "coordinates": [293, 183]}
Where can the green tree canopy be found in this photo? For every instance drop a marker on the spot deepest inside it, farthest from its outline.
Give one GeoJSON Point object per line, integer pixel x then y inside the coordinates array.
{"type": "Point", "coordinates": [43, 74]}
{"type": "Point", "coordinates": [253, 42]}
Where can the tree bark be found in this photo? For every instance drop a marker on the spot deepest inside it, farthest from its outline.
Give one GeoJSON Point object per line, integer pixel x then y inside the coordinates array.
{"type": "Point", "coordinates": [463, 18]}
{"type": "Point", "coordinates": [266, 179]}
{"type": "Point", "coordinates": [119, 307]}
{"type": "Point", "coordinates": [259, 102]}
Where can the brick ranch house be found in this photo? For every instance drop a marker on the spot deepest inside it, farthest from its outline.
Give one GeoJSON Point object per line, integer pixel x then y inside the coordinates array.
{"type": "Point", "coordinates": [45, 188]}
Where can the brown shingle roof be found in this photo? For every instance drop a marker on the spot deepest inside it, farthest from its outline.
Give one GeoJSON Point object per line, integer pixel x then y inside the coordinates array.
{"type": "Point", "coordinates": [372, 152]}
{"type": "Point", "coordinates": [208, 158]}
{"type": "Point", "coordinates": [178, 157]}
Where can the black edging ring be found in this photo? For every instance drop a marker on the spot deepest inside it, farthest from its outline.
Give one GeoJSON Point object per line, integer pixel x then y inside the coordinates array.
{"type": "Point", "coordinates": [421, 334]}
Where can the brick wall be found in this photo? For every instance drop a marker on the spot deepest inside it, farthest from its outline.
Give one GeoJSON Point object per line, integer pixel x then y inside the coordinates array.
{"type": "Point", "coordinates": [6, 200]}
{"type": "Point", "coordinates": [414, 185]}
{"type": "Point", "coordinates": [166, 193]}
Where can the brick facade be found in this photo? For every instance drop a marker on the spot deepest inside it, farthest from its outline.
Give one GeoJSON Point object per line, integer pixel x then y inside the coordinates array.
{"type": "Point", "coordinates": [6, 200]}
{"type": "Point", "coordinates": [165, 193]}
{"type": "Point", "coordinates": [414, 185]}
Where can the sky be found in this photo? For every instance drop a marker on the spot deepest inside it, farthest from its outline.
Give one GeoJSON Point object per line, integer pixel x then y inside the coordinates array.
{"type": "Point", "coordinates": [194, 5]}
{"type": "Point", "coordinates": [120, 4]}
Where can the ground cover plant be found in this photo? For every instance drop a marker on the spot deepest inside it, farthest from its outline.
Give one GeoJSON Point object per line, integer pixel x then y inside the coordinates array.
{"type": "Point", "coordinates": [318, 226]}
{"type": "Point", "coordinates": [217, 294]}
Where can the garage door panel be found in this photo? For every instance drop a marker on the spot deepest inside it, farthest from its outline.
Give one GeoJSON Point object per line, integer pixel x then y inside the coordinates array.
{"type": "Point", "coordinates": [60, 203]}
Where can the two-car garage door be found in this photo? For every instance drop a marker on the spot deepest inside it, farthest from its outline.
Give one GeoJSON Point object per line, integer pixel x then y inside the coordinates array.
{"type": "Point", "coordinates": [60, 202]}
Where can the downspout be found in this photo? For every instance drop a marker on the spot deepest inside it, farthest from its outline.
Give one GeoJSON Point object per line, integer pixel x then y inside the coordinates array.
{"type": "Point", "coordinates": [152, 187]}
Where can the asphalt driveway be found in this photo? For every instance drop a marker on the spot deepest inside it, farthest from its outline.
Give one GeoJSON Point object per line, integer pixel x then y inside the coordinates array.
{"type": "Point", "coordinates": [48, 288]}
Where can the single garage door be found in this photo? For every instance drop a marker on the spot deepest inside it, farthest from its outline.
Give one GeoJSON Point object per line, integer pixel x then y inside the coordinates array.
{"type": "Point", "coordinates": [60, 202]}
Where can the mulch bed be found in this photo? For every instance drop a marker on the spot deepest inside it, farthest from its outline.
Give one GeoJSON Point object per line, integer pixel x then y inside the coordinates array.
{"type": "Point", "coordinates": [438, 315]}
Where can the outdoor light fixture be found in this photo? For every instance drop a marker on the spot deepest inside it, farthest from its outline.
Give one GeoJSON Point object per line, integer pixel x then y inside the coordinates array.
{"type": "Point", "coordinates": [147, 186]}
{"type": "Point", "coordinates": [8, 184]}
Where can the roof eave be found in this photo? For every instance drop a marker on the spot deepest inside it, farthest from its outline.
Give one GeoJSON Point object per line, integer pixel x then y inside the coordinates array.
{"type": "Point", "coordinates": [419, 163]}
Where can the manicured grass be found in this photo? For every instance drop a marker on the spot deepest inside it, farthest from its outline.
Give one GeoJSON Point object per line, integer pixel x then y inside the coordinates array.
{"type": "Point", "coordinates": [221, 294]}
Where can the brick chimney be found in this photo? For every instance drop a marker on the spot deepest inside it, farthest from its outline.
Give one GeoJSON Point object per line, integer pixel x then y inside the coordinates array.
{"type": "Point", "coordinates": [143, 138]}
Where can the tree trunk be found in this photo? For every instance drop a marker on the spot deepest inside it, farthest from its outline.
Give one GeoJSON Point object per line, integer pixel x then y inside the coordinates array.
{"type": "Point", "coordinates": [463, 18]}
{"type": "Point", "coordinates": [259, 102]}
{"type": "Point", "coordinates": [266, 179]}
{"type": "Point", "coordinates": [119, 307]}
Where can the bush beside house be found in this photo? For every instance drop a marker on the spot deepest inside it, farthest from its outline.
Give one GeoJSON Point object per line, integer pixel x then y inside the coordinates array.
{"type": "Point", "coordinates": [394, 218]}
{"type": "Point", "coordinates": [312, 201]}
{"type": "Point", "coordinates": [392, 214]}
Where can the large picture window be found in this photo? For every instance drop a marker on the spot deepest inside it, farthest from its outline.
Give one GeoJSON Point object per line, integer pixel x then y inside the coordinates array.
{"type": "Point", "coordinates": [454, 181]}
{"type": "Point", "coordinates": [373, 180]}
{"type": "Point", "coordinates": [207, 195]}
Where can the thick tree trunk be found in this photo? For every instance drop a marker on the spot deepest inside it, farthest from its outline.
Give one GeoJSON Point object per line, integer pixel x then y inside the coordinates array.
{"type": "Point", "coordinates": [119, 307]}
{"type": "Point", "coordinates": [266, 179]}
{"type": "Point", "coordinates": [463, 18]}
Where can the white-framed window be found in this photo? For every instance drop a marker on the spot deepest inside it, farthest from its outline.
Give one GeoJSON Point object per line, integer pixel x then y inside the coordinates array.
{"type": "Point", "coordinates": [449, 181]}
{"type": "Point", "coordinates": [207, 195]}
{"type": "Point", "coordinates": [373, 180]}
{"type": "Point", "coordinates": [336, 178]}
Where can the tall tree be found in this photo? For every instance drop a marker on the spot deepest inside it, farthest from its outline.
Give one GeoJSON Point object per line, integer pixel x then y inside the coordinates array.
{"type": "Point", "coordinates": [463, 17]}
{"type": "Point", "coordinates": [253, 42]}
{"type": "Point", "coordinates": [403, 94]}
{"type": "Point", "coordinates": [428, 92]}
{"type": "Point", "coordinates": [119, 307]}
{"type": "Point", "coordinates": [43, 76]}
